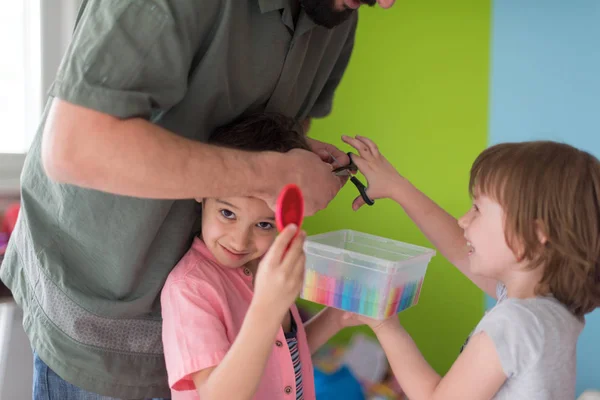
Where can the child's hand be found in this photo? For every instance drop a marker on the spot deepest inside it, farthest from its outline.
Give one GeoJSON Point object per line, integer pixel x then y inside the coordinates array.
{"type": "Point", "coordinates": [375, 324]}
{"type": "Point", "coordinates": [380, 174]}
{"type": "Point", "coordinates": [341, 319]}
{"type": "Point", "coordinates": [279, 277]}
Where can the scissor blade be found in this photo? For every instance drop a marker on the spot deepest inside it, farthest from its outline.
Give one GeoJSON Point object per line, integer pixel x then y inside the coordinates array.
{"type": "Point", "coordinates": [340, 171]}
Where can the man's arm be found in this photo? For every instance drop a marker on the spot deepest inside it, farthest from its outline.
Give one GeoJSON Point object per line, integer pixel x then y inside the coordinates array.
{"type": "Point", "coordinates": [127, 61]}
{"type": "Point", "coordinates": [134, 157]}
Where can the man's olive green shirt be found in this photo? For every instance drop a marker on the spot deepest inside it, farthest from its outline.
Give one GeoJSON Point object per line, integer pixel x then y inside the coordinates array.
{"type": "Point", "coordinates": [86, 266]}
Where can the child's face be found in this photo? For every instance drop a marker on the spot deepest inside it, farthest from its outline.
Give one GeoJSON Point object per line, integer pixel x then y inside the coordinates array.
{"type": "Point", "coordinates": [489, 253]}
{"type": "Point", "coordinates": [237, 230]}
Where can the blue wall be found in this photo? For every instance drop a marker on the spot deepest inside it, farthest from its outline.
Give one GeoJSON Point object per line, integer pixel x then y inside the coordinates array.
{"type": "Point", "coordinates": [545, 84]}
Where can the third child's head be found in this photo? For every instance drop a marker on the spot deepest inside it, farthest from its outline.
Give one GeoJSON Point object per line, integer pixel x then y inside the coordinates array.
{"type": "Point", "coordinates": [536, 219]}
{"type": "Point", "coordinates": [238, 230]}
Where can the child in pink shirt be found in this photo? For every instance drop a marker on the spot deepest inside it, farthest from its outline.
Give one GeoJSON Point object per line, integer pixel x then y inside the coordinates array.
{"type": "Point", "coordinates": [230, 326]}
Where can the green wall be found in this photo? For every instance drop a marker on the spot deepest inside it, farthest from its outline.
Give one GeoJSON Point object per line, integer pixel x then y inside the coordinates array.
{"type": "Point", "coordinates": [418, 85]}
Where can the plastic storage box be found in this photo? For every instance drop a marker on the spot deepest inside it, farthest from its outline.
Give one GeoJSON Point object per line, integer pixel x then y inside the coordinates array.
{"type": "Point", "coordinates": [364, 274]}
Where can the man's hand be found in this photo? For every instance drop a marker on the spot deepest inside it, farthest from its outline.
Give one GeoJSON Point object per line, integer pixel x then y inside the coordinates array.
{"type": "Point", "coordinates": [326, 150]}
{"type": "Point", "coordinates": [305, 169]}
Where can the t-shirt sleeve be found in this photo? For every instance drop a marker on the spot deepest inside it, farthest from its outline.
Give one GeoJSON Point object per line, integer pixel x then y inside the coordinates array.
{"type": "Point", "coordinates": [517, 335]}
{"type": "Point", "coordinates": [194, 333]}
{"type": "Point", "coordinates": [132, 58]}
{"type": "Point", "coordinates": [324, 103]}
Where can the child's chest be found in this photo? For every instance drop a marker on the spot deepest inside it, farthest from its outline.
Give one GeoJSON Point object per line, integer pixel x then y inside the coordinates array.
{"type": "Point", "coordinates": [238, 303]}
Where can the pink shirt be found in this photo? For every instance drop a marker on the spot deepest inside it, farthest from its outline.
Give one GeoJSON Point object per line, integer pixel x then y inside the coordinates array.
{"type": "Point", "coordinates": [203, 307]}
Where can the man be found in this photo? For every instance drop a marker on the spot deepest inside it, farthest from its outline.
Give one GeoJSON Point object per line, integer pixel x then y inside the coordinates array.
{"type": "Point", "coordinates": [109, 182]}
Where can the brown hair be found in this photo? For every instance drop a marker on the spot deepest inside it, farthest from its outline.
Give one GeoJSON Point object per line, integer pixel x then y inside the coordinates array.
{"type": "Point", "coordinates": [261, 132]}
{"type": "Point", "coordinates": [552, 188]}
{"type": "Point", "coordinates": [257, 132]}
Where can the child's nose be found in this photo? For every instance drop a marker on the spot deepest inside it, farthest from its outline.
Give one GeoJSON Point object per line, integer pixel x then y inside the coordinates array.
{"type": "Point", "coordinates": [464, 221]}
{"type": "Point", "coordinates": [240, 239]}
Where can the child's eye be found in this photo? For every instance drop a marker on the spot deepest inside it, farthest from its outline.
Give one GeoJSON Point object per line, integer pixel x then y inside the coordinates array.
{"type": "Point", "coordinates": [475, 208]}
{"type": "Point", "coordinates": [265, 225]}
{"type": "Point", "coordinates": [227, 214]}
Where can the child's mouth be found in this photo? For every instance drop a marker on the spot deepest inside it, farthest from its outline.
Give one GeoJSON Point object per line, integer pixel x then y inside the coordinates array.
{"type": "Point", "coordinates": [233, 254]}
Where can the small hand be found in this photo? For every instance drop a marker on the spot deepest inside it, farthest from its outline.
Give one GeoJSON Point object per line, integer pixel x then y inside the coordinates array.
{"type": "Point", "coordinates": [280, 273]}
{"type": "Point", "coordinates": [378, 171]}
{"type": "Point", "coordinates": [342, 319]}
{"type": "Point", "coordinates": [352, 319]}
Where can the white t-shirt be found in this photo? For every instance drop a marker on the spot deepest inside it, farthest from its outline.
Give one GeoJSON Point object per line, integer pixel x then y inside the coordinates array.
{"type": "Point", "coordinates": [536, 341]}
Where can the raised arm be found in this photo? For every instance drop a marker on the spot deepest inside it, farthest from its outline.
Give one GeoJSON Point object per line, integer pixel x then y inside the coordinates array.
{"type": "Point", "coordinates": [441, 228]}
{"type": "Point", "coordinates": [127, 64]}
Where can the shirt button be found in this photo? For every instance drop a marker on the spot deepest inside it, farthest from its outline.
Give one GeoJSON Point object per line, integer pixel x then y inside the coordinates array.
{"type": "Point", "coordinates": [288, 389]}
{"type": "Point", "coordinates": [247, 272]}
{"type": "Point", "coordinates": [278, 343]}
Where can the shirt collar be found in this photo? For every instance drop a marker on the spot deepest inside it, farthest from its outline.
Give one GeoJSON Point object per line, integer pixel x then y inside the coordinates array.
{"type": "Point", "coordinates": [272, 5]}
{"type": "Point", "coordinates": [304, 25]}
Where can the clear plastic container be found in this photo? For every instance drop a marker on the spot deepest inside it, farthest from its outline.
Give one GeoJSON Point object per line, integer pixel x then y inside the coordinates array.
{"type": "Point", "coordinates": [364, 274]}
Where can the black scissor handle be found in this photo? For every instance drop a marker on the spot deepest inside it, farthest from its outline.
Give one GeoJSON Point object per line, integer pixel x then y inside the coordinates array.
{"type": "Point", "coordinates": [362, 189]}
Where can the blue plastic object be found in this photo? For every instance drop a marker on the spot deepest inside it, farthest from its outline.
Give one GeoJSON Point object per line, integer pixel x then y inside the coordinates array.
{"type": "Point", "coordinates": [340, 385]}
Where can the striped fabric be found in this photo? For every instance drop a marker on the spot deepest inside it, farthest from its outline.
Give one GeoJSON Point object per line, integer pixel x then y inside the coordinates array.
{"type": "Point", "coordinates": [292, 343]}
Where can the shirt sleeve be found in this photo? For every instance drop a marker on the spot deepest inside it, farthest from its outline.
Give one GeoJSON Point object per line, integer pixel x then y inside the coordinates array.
{"type": "Point", "coordinates": [324, 103]}
{"type": "Point", "coordinates": [194, 333]}
{"type": "Point", "coordinates": [132, 58]}
{"type": "Point", "coordinates": [517, 334]}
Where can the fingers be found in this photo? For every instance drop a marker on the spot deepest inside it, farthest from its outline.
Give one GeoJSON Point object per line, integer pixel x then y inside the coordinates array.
{"type": "Point", "coordinates": [281, 242]}
{"type": "Point", "coordinates": [386, 3]}
{"type": "Point", "coordinates": [370, 144]}
{"type": "Point", "coordinates": [298, 270]}
{"type": "Point", "coordinates": [328, 152]}
{"type": "Point", "coordinates": [294, 261]}
{"type": "Point", "coordinates": [295, 250]}
{"type": "Point", "coordinates": [324, 155]}
{"type": "Point", "coordinates": [358, 203]}
{"type": "Point", "coordinates": [365, 146]}
{"type": "Point", "coordinates": [341, 157]}
{"type": "Point", "coordinates": [362, 148]}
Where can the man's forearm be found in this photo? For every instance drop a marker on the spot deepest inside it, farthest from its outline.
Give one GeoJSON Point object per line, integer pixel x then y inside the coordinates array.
{"type": "Point", "coordinates": [137, 158]}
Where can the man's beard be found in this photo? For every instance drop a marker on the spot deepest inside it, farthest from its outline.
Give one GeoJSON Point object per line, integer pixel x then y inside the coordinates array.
{"type": "Point", "coordinates": [323, 12]}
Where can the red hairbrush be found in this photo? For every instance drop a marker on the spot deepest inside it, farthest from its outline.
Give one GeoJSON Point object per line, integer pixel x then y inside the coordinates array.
{"type": "Point", "coordinates": [290, 207]}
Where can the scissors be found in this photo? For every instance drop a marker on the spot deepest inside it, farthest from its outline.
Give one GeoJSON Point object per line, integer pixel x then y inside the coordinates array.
{"type": "Point", "coordinates": [346, 170]}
